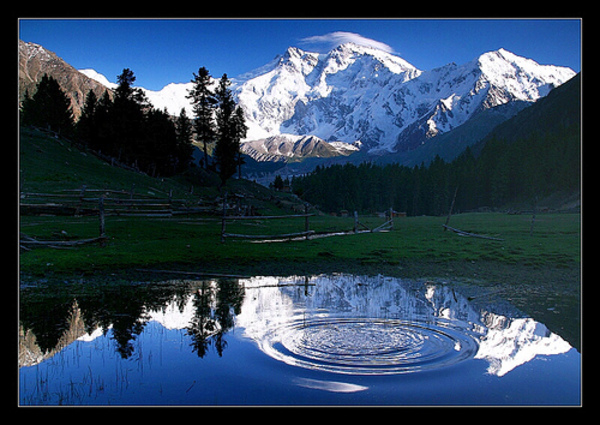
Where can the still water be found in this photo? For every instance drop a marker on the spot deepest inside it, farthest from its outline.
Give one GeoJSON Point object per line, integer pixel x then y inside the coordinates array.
{"type": "Point", "coordinates": [318, 340]}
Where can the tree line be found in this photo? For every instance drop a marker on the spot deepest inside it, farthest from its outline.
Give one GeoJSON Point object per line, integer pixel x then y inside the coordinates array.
{"type": "Point", "coordinates": [503, 173]}
{"type": "Point", "coordinates": [124, 124]}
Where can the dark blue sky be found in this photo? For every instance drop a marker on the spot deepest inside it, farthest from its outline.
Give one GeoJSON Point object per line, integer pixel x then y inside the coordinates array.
{"type": "Point", "coordinates": [164, 51]}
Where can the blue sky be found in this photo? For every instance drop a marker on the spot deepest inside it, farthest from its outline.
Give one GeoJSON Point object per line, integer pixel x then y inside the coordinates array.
{"type": "Point", "coordinates": [163, 51]}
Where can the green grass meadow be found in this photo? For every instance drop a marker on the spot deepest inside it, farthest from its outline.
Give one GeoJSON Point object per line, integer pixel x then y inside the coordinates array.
{"type": "Point", "coordinates": [141, 242]}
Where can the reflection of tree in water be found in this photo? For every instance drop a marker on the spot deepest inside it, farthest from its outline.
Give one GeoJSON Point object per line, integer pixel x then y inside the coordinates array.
{"type": "Point", "coordinates": [46, 311]}
{"type": "Point", "coordinates": [216, 307]}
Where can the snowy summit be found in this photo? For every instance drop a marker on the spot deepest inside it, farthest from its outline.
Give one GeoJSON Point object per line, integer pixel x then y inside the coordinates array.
{"type": "Point", "coordinates": [356, 93]}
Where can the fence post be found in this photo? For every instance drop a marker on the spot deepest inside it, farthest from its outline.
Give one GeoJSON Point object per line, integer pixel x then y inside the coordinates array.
{"type": "Point", "coordinates": [355, 221]}
{"type": "Point", "coordinates": [533, 217]}
{"type": "Point", "coordinates": [81, 196]}
{"type": "Point", "coordinates": [451, 208]}
{"type": "Point", "coordinates": [391, 218]}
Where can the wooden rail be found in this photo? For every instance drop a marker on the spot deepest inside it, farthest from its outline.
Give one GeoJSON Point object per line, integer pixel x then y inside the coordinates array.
{"type": "Point", "coordinates": [225, 218]}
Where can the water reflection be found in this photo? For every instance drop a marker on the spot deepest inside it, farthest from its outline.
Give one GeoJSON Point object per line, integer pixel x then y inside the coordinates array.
{"type": "Point", "coordinates": [363, 321]}
{"type": "Point", "coordinates": [336, 325]}
{"type": "Point", "coordinates": [52, 318]}
{"type": "Point", "coordinates": [352, 324]}
{"type": "Point", "coordinates": [215, 307]}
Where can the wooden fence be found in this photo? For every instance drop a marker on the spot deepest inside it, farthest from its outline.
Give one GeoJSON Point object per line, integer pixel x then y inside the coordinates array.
{"type": "Point", "coordinates": [387, 225]}
{"type": "Point", "coordinates": [225, 218]}
{"type": "Point", "coordinates": [81, 202]}
{"type": "Point", "coordinates": [102, 203]}
{"type": "Point", "coordinates": [306, 234]}
{"type": "Point", "coordinates": [106, 202]}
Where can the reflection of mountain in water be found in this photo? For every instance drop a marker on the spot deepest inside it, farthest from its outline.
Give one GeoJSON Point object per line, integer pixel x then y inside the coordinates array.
{"type": "Point", "coordinates": [207, 310]}
{"type": "Point", "coordinates": [504, 342]}
{"type": "Point", "coordinates": [512, 342]}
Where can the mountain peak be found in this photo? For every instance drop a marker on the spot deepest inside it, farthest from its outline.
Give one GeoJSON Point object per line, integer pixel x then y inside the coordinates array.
{"type": "Point", "coordinates": [294, 52]}
{"type": "Point", "coordinates": [353, 47]}
{"type": "Point", "coordinates": [523, 78]}
{"type": "Point", "coordinates": [350, 51]}
{"type": "Point", "coordinates": [504, 55]}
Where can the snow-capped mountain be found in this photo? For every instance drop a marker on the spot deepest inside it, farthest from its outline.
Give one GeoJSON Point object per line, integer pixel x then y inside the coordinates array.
{"type": "Point", "coordinates": [172, 97]}
{"type": "Point", "coordinates": [361, 93]}
{"type": "Point", "coordinates": [307, 93]}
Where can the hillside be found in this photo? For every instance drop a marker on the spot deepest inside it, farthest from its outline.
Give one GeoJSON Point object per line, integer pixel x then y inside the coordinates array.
{"type": "Point", "coordinates": [452, 143]}
{"type": "Point", "coordinates": [49, 165]}
{"type": "Point", "coordinates": [560, 110]}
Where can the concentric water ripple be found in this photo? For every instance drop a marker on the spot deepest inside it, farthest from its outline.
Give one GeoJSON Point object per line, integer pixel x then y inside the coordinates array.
{"type": "Point", "coordinates": [367, 346]}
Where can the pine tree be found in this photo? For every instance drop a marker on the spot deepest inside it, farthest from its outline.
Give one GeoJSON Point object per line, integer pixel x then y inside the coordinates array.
{"type": "Point", "coordinates": [184, 147]}
{"type": "Point", "coordinates": [158, 155]}
{"type": "Point", "coordinates": [27, 110]}
{"type": "Point", "coordinates": [203, 102]}
{"type": "Point", "coordinates": [228, 131]}
{"type": "Point", "coordinates": [240, 132]}
{"type": "Point", "coordinates": [278, 182]}
{"type": "Point", "coordinates": [102, 139]}
{"type": "Point", "coordinates": [86, 126]}
{"type": "Point", "coordinates": [127, 118]}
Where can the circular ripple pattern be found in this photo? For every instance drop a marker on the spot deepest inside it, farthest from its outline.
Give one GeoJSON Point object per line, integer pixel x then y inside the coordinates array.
{"type": "Point", "coordinates": [363, 346]}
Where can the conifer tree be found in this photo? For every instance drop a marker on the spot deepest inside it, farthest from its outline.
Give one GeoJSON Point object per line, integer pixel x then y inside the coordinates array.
{"type": "Point", "coordinates": [127, 117]}
{"type": "Point", "coordinates": [86, 126]}
{"type": "Point", "coordinates": [228, 130]}
{"type": "Point", "coordinates": [203, 101]}
{"type": "Point", "coordinates": [102, 139]}
{"type": "Point", "coordinates": [240, 132]}
{"type": "Point", "coordinates": [184, 146]}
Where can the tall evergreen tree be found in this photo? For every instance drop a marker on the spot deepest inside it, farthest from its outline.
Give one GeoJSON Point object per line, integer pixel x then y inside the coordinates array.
{"type": "Point", "coordinates": [102, 139]}
{"type": "Point", "coordinates": [127, 117]}
{"type": "Point", "coordinates": [158, 155]}
{"type": "Point", "coordinates": [184, 146]}
{"type": "Point", "coordinates": [240, 132]}
{"type": "Point", "coordinates": [86, 126]}
{"type": "Point", "coordinates": [228, 139]}
{"type": "Point", "coordinates": [27, 109]}
{"type": "Point", "coordinates": [204, 102]}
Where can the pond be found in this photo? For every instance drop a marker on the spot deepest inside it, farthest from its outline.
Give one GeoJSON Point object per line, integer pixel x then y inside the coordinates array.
{"type": "Point", "coordinates": [314, 340]}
